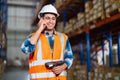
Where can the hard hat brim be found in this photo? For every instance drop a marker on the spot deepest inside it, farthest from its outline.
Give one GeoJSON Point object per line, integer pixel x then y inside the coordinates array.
{"type": "Point", "coordinates": [39, 15]}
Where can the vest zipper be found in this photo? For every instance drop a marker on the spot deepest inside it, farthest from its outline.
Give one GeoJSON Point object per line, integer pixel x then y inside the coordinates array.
{"type": "Point", "coordinates": [52, 54]}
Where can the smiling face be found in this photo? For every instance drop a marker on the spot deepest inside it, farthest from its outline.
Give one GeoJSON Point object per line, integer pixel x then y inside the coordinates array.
{"type": "Point", "coordinates": [50, 20]}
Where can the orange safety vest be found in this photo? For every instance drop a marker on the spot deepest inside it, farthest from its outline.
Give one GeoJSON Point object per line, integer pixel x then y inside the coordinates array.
{"type": "Point", "coordinates": [43, 54]}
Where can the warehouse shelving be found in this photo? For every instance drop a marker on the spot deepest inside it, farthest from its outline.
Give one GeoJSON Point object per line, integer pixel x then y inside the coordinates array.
{"type": "Point", "coordinates": [96, 25]}
{"type": "Point", "coordinates": [85, 31]}
{"type": "Point", "coordinates": [3, 21]}
{"type": "Point", "coordinates": [3, 35]}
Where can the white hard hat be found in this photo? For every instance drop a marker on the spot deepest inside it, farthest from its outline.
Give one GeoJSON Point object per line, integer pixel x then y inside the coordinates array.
{"type": "Point", "coordinates": [48, 9]}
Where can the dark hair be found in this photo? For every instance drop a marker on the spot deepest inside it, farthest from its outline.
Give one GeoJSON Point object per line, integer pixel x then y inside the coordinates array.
{"type": "Point", "coordinates": [35, 22]}
{"type": "Point", "coordinates": [42, 14]}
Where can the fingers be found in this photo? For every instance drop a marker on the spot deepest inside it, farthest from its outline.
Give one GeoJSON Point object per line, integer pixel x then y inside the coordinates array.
{"type": "Point", "coordinates": [42, 24]}
{"type": "Point", "coordinates": [57, 70]}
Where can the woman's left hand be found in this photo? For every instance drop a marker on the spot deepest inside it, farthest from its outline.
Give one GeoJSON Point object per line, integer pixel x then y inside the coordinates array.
{"type": "Point", "coordinates": [59, 69]}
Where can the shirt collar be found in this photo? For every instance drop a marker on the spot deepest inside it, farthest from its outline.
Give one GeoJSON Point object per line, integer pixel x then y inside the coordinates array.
{"type": "Point", "coordinates": [47, 34]}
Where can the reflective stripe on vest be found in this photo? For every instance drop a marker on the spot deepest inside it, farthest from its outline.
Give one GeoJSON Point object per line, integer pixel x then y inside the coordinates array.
{"type": "Point", "coordinates": [45, 75]}
{"type": "Point", "coordinates": [37, 64]}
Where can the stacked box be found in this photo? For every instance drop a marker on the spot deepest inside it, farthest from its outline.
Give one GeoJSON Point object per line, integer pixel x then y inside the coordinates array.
{"type": "Point", "coordinates": [88, 6]}
{"type": "Point", "coordinates": [112, 7]}
{"type": "Point", "coordinates": [70, 25]}
{"type": "Point", "coordinates": [107, 61]}
{"type": "Point", "coordinates": [101, 72]}
{"type": "Point", "coordinates": [70, 73]}
{"type": "Point", "coordinates": [77, 25]}
{"type": "Point", "coordinates": [89, 16]}
{"type": "Point", "coordinates": [109, 73]}
{"type": "Point", "coordinates": [80, 22]}
{"type": "Point", "coordinates": [95, 1]}
{"type": "Point", "coordinates": [115, 6]}
{"type": "Point", "coordinates": [89, 12]}
{"type": "Point", "coordinates": [68, 28]}
{"type": "Point", "coordinates": [78, 72]}
{"type": "Point", "coordinates": [60, 27]}
{"type": "Point", "coordinates": [97, 10]}
{"type": "Point", "coordinates": [116, 74]}
{"type": "Point", "coordinates": [58, 3]}
{"type": "Point", "coordinates": [118, 4]}
{"type": "Point", "coordinates": [115, 58]}
{"type": "Point", "coordinates": [2, 67]}
{"type": "Point", "coordinates": [72, 21]}
{"type": "Point", "coordinates": [80, 16]}
{"type": "Point", "coordinates": [107, 3]}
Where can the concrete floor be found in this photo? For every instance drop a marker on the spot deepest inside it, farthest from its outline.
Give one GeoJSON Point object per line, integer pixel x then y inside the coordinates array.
{"type": "Point", "coordinates": [15, 74]}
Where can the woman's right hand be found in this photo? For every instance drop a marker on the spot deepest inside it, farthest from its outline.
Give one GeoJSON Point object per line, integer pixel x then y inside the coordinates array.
{"type": "Point", "coordinates": [41, 27]}
{"type": "Point", "coordinates": [41, 24]}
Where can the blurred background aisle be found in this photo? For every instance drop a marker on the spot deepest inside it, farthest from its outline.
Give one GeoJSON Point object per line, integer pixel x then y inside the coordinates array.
{"type": "Point", "coordinates": [15, 74]}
